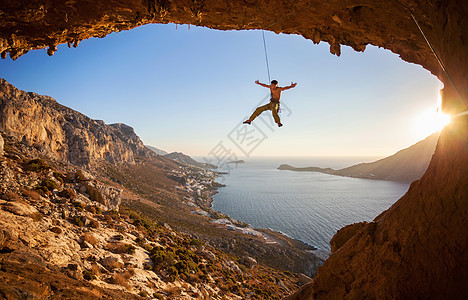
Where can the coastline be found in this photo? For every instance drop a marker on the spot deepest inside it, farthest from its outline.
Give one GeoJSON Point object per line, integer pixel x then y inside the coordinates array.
{"type": "Point", "coordinates": [203, 186]}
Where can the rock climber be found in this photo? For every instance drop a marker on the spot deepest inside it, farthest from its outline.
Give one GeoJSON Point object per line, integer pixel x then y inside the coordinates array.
{"type": "Point", "coordinates": [274, 101]}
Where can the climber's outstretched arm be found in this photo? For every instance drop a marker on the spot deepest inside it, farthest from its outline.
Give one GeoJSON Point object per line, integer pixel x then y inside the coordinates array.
{"type": "Point", "coordinates": [262, 84]}
{"type": "Point", "coordinates": [289, 86]}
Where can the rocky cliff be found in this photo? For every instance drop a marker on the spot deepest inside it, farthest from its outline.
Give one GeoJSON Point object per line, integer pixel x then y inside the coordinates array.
{"type": "Point", "coordinates": [418, 248]}
{"type": "Point", "coordinates": [64, 133]}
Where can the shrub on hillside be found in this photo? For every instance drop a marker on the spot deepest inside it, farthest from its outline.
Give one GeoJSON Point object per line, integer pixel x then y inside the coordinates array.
{"type": "Point", "coordinates": [37, 216]}
{"type": "Point", "coordinates": [50, 184]}
{"type": "Point", "coordinates": [119, 248]}
{"type": "Point", "coordinates": [182, 262]}
{"type": "Point", "coordinates": [31, 195]}
{"type": "Point", "coordinates": [12, 196]}
{"type": "Point", "coordinates": [79, 221]}
{"type": "Point", "coordinates": [67, 193]}
{"type": "Point", "coordinates": [88, 275]}
{"type": "Point", "coordinates": [37, 165]}
{"type": "Point", "coordinates": [78, 205]}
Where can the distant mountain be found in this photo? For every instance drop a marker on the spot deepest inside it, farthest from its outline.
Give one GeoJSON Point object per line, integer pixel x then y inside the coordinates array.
{"type": "Point", "coordinates": [406, 165]}
{"type": "Point", "coordinates": [156, 150]}
{"type": "Point", "coordinates": [180, 157]}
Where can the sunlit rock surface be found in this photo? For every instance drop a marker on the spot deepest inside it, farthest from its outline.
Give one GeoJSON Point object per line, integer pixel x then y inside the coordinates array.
{"type": "Point", "coordinates": [64, 133]}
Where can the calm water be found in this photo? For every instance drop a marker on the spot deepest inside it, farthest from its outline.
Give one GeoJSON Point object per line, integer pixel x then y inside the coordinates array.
{"type": "Point", "coordinates": [304, 205]}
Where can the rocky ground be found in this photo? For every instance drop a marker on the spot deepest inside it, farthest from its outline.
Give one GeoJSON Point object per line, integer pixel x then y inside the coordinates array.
{"type": "Point", "coordinates": [98, 215]}
{"type": "Point", "coordinates": [64, 233]}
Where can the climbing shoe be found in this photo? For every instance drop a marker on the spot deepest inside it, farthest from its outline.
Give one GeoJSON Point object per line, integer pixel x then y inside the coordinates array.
{"type": "Point", "coordinates": [279, 124]}
{"type": "Point", "coordinates": [247, 122]}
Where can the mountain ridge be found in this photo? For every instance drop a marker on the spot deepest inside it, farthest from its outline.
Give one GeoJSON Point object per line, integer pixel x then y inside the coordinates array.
{"type": "Point", "coordinates": [63, 132]}
{"type": "Point", "coordinates": [406, 165]}
{"type": "Point", "coordinates": [183, 158]}
{"type": "Point", "coordinates": [156, 150]}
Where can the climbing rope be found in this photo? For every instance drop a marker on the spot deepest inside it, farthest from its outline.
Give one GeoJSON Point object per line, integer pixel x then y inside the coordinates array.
{"type": "Point", "coordinates": [266, 56]}
{"type": "Point", "coordinates": [264, 42]}
{"type": "Point", "coordinates": [432, 49]}
{"type": "Point", "coordinates": [439, 60]}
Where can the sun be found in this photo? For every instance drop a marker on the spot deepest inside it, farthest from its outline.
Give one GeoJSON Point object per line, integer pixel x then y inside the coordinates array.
{"type": "Point", "coordinates": [430, 121]}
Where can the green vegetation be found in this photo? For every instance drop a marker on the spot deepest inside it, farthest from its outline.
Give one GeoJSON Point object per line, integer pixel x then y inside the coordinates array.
{"type": "Point", "coordinates": [178, 262]}
{"type": "Point", "coordinates": [67, 193]}
{"type": "Point", "coordinates": [79, 221]}
{"type": "Point", "coordinates": [49, 184]}
{"type": "Point", "coordinates": [88, 275]}
{"type": "Point", "coordinates": [78, 205]}
{"type": "Point", "coordinates": [59, 176]}
{"type": "Point", "coordinates": [119, 248]}
{"type": "Point", "coordinates": [37, 165]}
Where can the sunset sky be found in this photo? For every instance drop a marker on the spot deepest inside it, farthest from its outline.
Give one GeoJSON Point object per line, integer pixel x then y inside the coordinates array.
{"type": "Point", "coordinates": [188, 90]}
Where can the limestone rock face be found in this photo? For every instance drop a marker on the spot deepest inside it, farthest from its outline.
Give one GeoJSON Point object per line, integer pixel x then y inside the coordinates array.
{"type": "Point", "coordinates": [418, 248]}
{"type": "Point", "coordinates": [63, 133]}
{"type": "Point", "coordinates": [1, 145]}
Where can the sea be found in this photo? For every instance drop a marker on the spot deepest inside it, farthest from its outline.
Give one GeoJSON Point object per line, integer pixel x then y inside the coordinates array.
{"type": "Point", "coordinates": [307, 206]}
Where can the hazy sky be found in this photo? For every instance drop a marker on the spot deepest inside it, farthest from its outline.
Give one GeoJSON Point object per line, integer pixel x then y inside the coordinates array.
{"type": "Point", "coordinates": [187, 90]}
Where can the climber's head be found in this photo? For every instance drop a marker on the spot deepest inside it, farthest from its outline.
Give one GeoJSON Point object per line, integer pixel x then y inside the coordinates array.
{"type": "Point", "coordinates": [274, 82]}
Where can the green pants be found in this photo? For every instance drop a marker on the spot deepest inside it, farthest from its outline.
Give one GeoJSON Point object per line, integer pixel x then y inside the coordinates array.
{"type": "Point", "coordinates": [273, 106]}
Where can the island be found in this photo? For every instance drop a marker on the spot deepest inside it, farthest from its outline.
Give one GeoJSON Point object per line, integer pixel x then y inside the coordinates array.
{"type": "Point", "coordinates": [236, 162]}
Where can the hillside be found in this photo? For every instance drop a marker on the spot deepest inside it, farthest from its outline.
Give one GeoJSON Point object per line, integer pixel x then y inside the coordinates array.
{"type": "Point", "coordinates": [64, 133]}
{"type": "Point", "coordinates": [156, 150]}
{"type": "Point", "coordinates": [126, 225]}
{"type": "Point", "coordinates": [180, 157]}
{"type": "Point", "coordinates": [406, 165]}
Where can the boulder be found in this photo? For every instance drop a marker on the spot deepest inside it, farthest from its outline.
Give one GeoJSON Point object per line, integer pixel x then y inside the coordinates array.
{"type": "Point", "coordinates": [20, 209]}
{"type": "Point", "coordinates": [112, 262]}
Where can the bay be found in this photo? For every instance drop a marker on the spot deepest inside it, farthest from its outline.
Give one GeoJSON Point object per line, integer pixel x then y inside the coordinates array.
{"type": "Point", "coordinates": [307, 206]}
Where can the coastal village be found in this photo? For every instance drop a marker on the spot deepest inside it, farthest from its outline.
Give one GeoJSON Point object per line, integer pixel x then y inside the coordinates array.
{"type": "Point", "coordinates": [201, 184]}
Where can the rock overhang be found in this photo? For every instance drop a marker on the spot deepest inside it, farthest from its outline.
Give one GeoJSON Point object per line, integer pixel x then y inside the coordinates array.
{"type": "Point", "coordinates": [27, 25]}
